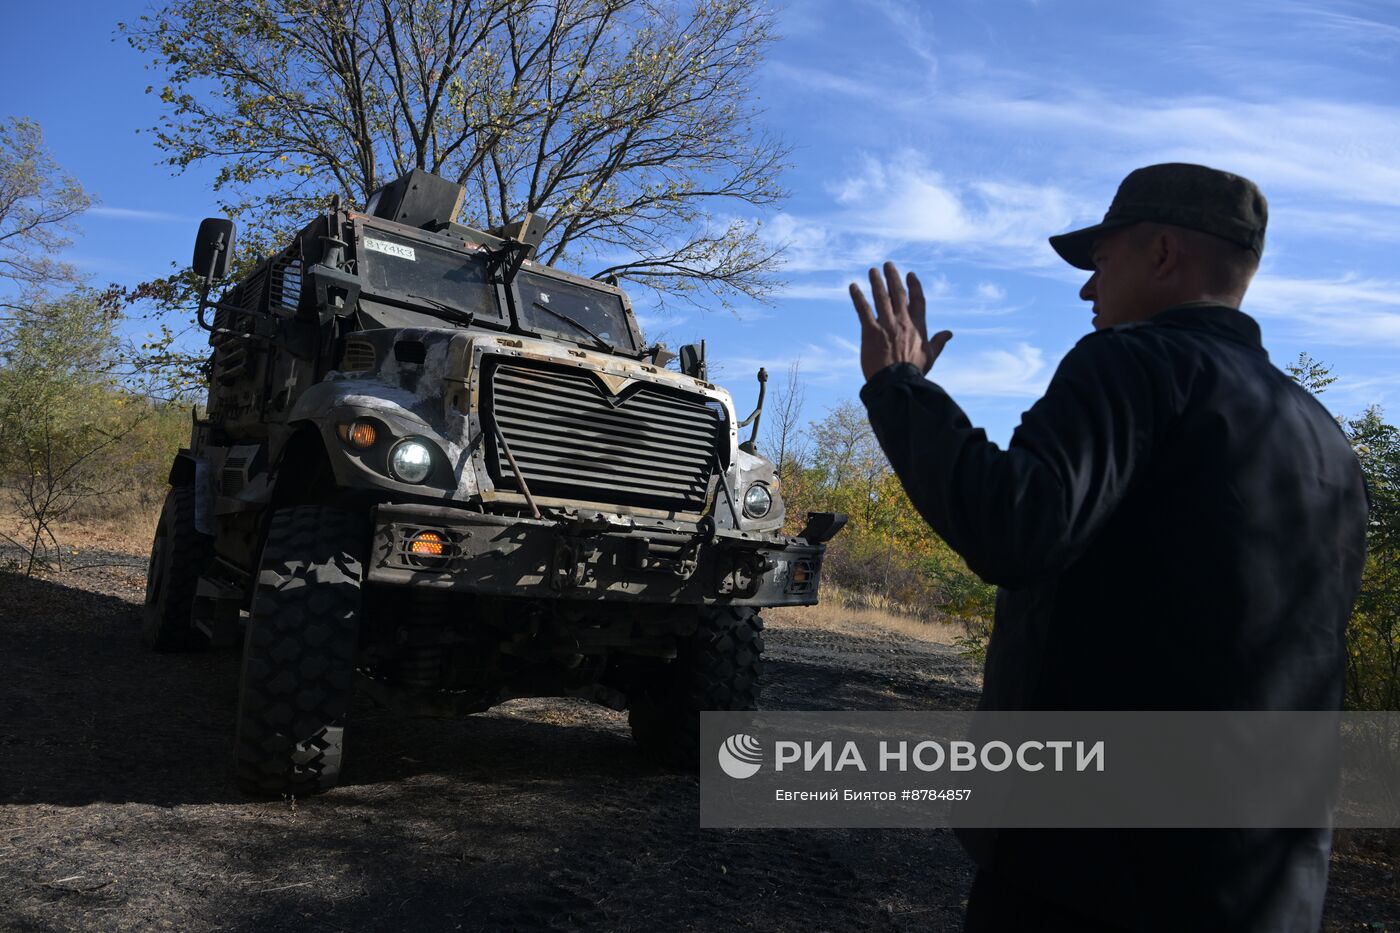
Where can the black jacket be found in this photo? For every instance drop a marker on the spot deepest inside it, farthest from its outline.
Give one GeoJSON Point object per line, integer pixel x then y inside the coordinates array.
{"type": "Point", "coordinates": [1175, 525]}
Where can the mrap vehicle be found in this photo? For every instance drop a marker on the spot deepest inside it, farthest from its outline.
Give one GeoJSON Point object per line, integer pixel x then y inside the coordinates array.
{"type": "Point", "coordinates": [445, 474]}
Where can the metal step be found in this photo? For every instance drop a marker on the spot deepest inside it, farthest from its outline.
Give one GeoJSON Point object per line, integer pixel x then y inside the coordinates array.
{"type": "Point", "coordinates": [218, 612]}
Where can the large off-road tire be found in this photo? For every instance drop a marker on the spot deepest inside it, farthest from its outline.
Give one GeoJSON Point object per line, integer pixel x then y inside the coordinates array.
{"type": "Point", "coordinates": [299, 653]}
{"type": "Point", "coordinates": [178, 555]}
{"type": "Point", "coordinates": [717, 668]}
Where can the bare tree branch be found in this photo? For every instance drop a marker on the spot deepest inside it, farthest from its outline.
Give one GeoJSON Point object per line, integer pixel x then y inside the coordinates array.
{"type": "Point", "coordinates": [627, 123]}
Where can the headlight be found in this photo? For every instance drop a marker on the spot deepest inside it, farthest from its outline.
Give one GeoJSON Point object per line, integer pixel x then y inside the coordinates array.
{"type": "Point", "coordinates": [757, 501]}
{"type": "Point", "coordinates": [411, 461]}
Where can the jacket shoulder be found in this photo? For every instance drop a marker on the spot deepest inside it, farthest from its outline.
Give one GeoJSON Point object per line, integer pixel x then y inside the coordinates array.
{"type": "Point", "coordinates": [1108, 332]}
{"type": "Point", "coordinates": [1134, 339]}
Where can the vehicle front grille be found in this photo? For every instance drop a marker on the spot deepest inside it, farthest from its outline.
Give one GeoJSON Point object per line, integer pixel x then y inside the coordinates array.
{"type": "Point", "coordinates": [572, 437]}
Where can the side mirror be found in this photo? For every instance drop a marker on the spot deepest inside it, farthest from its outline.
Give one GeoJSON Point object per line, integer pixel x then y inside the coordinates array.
{"type": "Point", "coordinates": [213, 248]}
{"type": "Point", "coordinates": [693, 361]}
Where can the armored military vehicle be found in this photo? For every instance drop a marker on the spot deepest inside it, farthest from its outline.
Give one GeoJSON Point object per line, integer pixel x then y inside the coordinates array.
{"type": "Point", "coordinates": [437, 470]}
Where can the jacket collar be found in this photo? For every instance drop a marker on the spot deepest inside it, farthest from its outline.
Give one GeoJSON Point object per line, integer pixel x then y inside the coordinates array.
{"type": "Point", "coordinates": [1222, 320]}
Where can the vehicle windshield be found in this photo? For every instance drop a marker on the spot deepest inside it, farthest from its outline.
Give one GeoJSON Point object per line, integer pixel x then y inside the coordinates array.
{"type": "Point", "coordinates": [441, 282]}
{"type": "Point", "coordinates": [575, 312]}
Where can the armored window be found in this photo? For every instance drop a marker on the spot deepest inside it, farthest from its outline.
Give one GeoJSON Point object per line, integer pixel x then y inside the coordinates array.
{"type": "Point", "coordinates": [412, 271]}
{"type": "Point", "coordinates": [575, 312]}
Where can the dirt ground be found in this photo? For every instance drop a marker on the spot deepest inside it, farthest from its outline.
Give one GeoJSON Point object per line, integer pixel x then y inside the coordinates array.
{"type": "Point", "coordinates": [117, 809]}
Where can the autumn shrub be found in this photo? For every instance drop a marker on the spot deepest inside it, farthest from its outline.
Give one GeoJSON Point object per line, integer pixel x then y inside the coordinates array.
{"type": "Point", "coordinates": [77, 440]}
{"type": "Point", "coordinates": [887, 555]}
{"type": "Point", "coordinates": [1373, 633]}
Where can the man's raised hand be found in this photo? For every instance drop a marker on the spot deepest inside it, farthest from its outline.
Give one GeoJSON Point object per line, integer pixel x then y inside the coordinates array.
{"type": "Point", "coordinates": [895, 332]}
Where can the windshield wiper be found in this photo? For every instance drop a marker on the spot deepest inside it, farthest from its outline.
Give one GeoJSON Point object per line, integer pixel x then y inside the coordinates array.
{"type": "Point", "coordinates": [564, 317]}
{"type": "Point", "coordinates": [446, 312]}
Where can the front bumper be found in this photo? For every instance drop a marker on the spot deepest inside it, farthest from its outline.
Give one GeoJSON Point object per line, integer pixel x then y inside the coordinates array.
{"type": "Point", "coordinates": [591, 561]}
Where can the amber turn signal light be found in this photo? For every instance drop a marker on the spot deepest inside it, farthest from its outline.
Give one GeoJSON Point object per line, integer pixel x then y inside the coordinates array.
{"type": "Point", "coordinates": [427, 543]}
{"type": "Point", "coordinates": [359, 434]}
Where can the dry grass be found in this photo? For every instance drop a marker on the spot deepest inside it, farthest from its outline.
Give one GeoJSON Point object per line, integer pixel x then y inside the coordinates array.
{"type": "Point", "coordinates": [838, 613]}
{"type": "Point", "coordinates": [129, 533]}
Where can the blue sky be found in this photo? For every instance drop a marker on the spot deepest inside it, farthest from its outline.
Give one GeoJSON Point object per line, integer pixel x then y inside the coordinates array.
{"type": "Point", "coordinates": [952, 138]}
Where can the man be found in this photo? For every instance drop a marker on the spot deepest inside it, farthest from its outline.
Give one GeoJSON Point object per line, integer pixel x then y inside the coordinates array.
{"type": "Point", "coordinates": [1175, 525]}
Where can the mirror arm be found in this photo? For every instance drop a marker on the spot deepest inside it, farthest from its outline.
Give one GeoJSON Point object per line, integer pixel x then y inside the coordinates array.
{"type": "Point", "coordinates": [209, 281]}
{"type": "Point", "coordinates": [758, 409]}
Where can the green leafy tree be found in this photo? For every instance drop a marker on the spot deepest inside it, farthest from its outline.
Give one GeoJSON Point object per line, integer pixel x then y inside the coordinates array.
{"type": "Point", "coordinates": [68, 400]}
{"type": "Point", "coordinates": [39, 205]}
{"type": "Point", "coordinates": [1373, 632]}
{"type": "Point", "coordinates": [63, 415]}
{"type": "Point", "coordinates": [1373, 636]}
{"type": "Point", "coordinates": [627, 123]}
{"type": "Point", "coordinates": [1311, 374]}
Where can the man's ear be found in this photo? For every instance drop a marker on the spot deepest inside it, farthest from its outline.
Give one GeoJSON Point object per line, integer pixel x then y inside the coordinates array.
{"type": "Point", "coordinates": [1166, 251]}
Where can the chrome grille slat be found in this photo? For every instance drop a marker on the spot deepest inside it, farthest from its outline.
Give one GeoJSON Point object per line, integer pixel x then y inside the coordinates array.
{"type": "Point", "coordinates": [539, 474]}
{"type": "Point", "coordinates": [618, 429]}
{"type": "Point", "coordinates": [564, 464]}
{"type": "Point", "coordinates": [642, 417]}
{"type": "Point", "coordinates": [612, 421]}
{"type": "Point", "coordinates": [595, 451]}
{"type": "Point", "coordinates": [640, 399]}
{"type": "Point", "coordinates": [572, 438]}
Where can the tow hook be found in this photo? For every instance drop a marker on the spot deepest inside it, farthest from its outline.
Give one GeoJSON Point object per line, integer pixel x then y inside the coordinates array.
{"type": "Point", "coordinates": [745, 573]}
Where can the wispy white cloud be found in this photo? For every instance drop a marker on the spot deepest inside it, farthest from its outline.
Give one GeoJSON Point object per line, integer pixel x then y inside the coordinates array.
{"type": "Point", "coordinates": [813, 244]}
{"type": "Point", "coordinates": [807, 78]}
{"type": "Point", "coordinates": [1019, 372]}
{"type": "Point", "coordinates": [878, 86]}
{"type": "Point", "coordinates": [1346, 310]}
{"type": "Point", "coordinates": [815, 291]}
{"type": "Point", "coordinates": [1297, 146]}
{"type": "Point", "coordinates": [1340, 149]}
{"type": "Point", "coordinates": [1351, 396]}
{"type": "Point", "coordinates": [802, 19]}
{"type": "Point", "coordinates": [945, 300]}
{"type": "Point", "coordinates": [829, 361]}
{"type": "Point", "coordinates": [904, 198]}
{"type": "Point", "coordinates": [936, 287]}
{"type": "Point", "coordinates": [138, 214]}
{"type": "Point", "coordinates": [1294, 221]}
{"type": "Point", "coordinates": [101, 265]}
{"type": "Point", "coordinates": [995, 331]}
{"type": "Point", "coordinates": [748, 315]}
{"type": "Point", "coordinates": [911, 29]}
{"type": "Point", "coordinates": [650, 322]}
{"type": "Point", "coordinates": [1352, 30]}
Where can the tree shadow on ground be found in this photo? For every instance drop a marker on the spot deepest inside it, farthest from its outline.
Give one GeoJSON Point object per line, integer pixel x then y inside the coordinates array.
{"type": "Point", "coordinates": [542, 817]}
{"type": "Point", "coordinates": [89, 714]}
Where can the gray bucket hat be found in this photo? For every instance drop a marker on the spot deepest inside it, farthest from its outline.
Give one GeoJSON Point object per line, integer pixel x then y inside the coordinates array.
{"type": "Point", "coordinates": [1179, 193]}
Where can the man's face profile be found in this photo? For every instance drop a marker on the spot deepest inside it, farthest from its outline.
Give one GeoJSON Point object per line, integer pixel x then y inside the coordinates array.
{"type": "Point", "coordinates": [1119, 285]}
